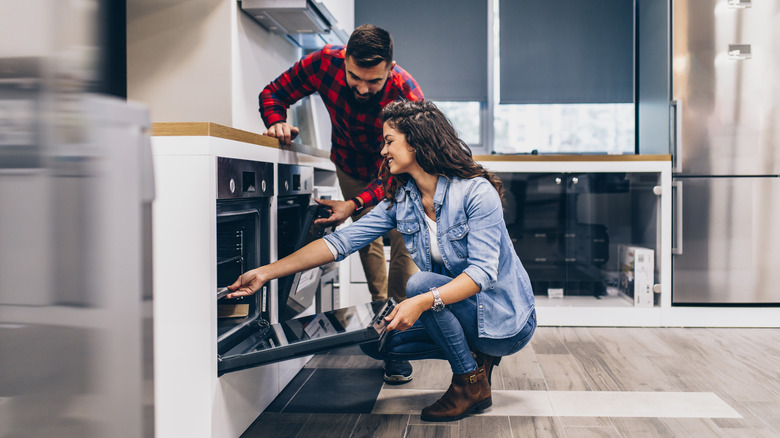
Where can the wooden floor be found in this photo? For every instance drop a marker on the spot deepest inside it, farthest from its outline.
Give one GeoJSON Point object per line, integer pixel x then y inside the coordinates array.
{"type": "Point", "coordinates": [738, 368]}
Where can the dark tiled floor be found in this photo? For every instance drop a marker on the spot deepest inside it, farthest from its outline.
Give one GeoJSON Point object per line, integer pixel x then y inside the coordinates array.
{"type": "Point", "coordinates": [318, 390]}
{"type": "Point", "coordinates": [339, 386]}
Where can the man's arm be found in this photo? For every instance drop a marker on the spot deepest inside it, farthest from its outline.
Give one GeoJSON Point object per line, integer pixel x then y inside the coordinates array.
{"type": "Point", "coordinates": [371, 195]}
{"type": "Point", "coordinates": [297, 82]}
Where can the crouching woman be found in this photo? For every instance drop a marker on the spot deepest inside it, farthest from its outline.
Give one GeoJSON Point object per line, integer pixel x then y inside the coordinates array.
{"type": "Point", "coordinates": [471, 303]}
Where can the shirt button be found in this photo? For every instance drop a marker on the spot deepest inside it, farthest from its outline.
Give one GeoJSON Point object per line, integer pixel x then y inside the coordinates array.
{"type": "Point", "coordinates": [480, 306]}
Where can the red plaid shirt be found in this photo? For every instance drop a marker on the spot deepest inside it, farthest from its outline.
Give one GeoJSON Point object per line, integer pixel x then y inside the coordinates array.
{"type": "Point", "coordinates": [356, 138]}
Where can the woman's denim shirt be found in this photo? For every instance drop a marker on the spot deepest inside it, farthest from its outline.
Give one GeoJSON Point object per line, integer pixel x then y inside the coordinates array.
{"type": "Point", "coordinates": [472, 238]}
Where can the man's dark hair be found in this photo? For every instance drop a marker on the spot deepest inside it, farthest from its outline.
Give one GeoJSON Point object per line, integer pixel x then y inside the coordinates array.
{"type": "Point", "coordinates": [369, 45]}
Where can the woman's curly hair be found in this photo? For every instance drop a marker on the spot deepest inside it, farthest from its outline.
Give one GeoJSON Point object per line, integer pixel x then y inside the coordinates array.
{"type": "Point", "coordinates": [438, 149]}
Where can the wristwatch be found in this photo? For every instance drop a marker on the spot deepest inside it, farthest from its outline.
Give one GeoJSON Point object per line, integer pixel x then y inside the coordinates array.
{"type": "Point", "coordinates": [358, 204]}
{"type": "Point", "coordinates": [438, 304]}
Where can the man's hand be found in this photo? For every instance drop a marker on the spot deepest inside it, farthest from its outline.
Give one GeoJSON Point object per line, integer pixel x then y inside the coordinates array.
{"type": "Point", "coordinates": [247, 284]}
{"type": "Point", "coordinates": [283, 131]}
{"type": "Point", "coordinates": [340, 211]}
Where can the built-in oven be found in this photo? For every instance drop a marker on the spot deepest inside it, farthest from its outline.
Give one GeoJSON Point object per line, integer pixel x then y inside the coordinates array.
{"type": "Point", "coordinates": [295, 228]}
{"type": "Point", "coordinates": [244, 193]}
{"type": "Point", "coordinates": [247, 338]}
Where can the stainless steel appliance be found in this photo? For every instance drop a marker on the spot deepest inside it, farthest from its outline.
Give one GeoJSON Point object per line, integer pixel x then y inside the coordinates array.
{"type": "Point", "coordinates": [294, 223]}
{"type": "Point", "coordinates": [246, 335]}
{"type": "Point", "coordinates": [727, 152]}
{"type": "Point", "coordinates": [244, 190]}
{"type": "Point", "coordinates": [307, 24]}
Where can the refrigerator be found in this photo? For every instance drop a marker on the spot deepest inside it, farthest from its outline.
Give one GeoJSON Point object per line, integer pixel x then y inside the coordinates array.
{"type": "Point", "coordinates": [726, 149]}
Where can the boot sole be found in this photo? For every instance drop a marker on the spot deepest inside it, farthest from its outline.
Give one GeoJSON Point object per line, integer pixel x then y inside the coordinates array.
{"type": "Point", "coordinates": [479, 407]}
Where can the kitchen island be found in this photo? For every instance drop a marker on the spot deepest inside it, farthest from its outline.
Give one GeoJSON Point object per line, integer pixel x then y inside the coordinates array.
{"type": "Point", "coordinates": [190, 399]}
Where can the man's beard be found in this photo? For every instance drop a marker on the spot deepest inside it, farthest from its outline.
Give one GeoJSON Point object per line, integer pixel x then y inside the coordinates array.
{"type": "Point", "coordinates": [365, 104]}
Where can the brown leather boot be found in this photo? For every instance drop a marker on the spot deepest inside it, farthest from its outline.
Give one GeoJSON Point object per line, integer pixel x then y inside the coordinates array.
{"type": "Point", "coordinates": [487, 361]}
{"type": "Point", "coordinates": [467, 393]}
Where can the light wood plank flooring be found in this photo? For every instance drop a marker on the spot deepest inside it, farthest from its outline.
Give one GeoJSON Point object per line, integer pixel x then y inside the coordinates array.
{"type": "Point", "coordinates": [738, 368]}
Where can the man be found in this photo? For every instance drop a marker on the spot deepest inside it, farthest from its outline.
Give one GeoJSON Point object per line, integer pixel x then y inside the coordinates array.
{"type": "Point", "coordinates": [355, 83]}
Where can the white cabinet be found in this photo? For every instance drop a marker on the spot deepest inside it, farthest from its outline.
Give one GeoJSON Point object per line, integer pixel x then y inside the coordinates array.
{"type": "Point", "coordinates": [569, 217]}
{"type": "Point", "coordinates": [191, 400]}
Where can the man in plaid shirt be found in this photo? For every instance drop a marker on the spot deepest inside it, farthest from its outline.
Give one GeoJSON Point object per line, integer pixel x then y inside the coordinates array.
{"type": "Point", "coordinates": [355, 83]}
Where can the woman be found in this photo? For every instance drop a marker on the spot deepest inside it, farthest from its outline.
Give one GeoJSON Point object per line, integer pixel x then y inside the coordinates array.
{"type": "Point", "coordinates": [472, 302]}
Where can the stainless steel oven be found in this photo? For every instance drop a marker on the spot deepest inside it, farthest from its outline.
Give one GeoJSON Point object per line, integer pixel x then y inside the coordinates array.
{"type": "Point", "coordinates": [244, 192]}
{"type": "Point", "coordinates": [246, 336]}
{"type": "Point", "coordinates": [293, 223]}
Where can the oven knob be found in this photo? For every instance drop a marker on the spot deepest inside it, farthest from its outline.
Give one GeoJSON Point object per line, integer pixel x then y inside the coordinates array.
{"type": "Point", "coordinates": [262, 185]}
{"type": "Point", "coordinates": [232, 185]}
{"type": "Point", "coordinates": [286, 185]}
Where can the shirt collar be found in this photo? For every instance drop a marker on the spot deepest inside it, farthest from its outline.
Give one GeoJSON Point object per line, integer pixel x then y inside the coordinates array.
{"type": "Point", "coordinates": [441, 190]}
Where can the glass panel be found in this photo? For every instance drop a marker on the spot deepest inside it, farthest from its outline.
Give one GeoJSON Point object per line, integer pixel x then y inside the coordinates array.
{"type": "Point", "coordinates": [570, 231]}
{"type": "Point", "coordinates": [565, 128]}
{"type": "Point", "coordinates": [466, 118]}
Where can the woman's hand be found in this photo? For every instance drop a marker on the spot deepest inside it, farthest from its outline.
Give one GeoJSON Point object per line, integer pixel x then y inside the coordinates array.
{"type": "Point", "coordinates": [407, 312]}
{"type": "Point", "coordinates": [247, 284]}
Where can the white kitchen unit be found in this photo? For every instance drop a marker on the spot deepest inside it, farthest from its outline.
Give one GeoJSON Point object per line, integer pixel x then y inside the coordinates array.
{"type": "Point", "coordinates": [191, 400]}
{"type": "Point", "coordinates": [568, 216]}
{"type": "Point", "coordinates": [579, 182]}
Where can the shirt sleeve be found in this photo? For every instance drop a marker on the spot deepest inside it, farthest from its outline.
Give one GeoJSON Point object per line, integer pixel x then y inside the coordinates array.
{"type": "Point", "coordinates": [297, 82]}
{"type": "Point", "coordinates": [372, 194]}
{"type": "Point", "coordinates": [486, 220]}
{"type": "Point", "coordinates": [411, 89]}
{"type": "Point", "coordinates": [332, 249]}
{"type": "Point", "coordinates": [364, 231]}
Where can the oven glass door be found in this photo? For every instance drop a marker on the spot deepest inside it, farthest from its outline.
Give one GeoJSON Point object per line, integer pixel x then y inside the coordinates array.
{"type": "Point", "coordinates": [262, 343]}
{"type": "Point", "coordinates": [239, 242]}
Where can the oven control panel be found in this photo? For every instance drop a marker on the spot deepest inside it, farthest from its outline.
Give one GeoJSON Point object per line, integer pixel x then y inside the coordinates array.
{"type": "Point", "coordinates": [244, 178]}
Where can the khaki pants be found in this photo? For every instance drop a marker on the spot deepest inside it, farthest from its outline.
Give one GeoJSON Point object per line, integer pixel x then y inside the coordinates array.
{"type": "Point", "coordinates": [372, 256]}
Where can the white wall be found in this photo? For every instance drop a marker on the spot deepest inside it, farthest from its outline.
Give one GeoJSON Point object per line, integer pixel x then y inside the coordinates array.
{"type": "Point", "coordinates": [258, 58]}
{"type": "Point", "coordinates": [206, 60]}
{"type": "Point", "coordinates": [178, 57]}
{"type": "Point", "coordinates": [344, 13]}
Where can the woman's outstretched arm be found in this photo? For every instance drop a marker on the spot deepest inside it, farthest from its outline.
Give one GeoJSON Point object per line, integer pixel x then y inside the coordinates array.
{"type": "Point", "coordinates": [310, 256]}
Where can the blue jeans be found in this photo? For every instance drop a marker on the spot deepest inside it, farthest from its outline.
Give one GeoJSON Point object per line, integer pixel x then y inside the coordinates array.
{"type": "Point", "coordinates": [450, 334]}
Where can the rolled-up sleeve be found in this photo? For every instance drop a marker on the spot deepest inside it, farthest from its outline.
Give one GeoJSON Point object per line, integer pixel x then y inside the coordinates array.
{"type": "Point", "coordinates": [483, 208]}
{"type": "Point", "coordinates": [362, 232]}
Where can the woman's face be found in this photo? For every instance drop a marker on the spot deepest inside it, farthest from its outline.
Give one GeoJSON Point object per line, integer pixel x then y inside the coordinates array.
{"type": "Point", "coordinates": [400, 156]}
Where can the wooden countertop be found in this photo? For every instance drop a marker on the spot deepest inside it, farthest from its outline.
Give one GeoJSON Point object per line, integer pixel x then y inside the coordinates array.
{"type": "Point", "coordinates": [573, 157]}
{"type": "Point", "coordinates": [209, 129]}
{"type": "Point", "coordinates": [221, 131]}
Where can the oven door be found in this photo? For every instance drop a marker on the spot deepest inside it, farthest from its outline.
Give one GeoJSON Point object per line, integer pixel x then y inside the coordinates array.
{"type": "Point", "coordinates": [297, 292]}
{"type": "Point", "coordinates": [239, 239]}
{"type": "Point", "coordinates": [261, 343]}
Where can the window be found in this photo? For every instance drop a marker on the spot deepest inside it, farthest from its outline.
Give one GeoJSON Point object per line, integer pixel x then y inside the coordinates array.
{"type": "Point", "coordinates": [560, 81]}
{"type": "Point", "coordinates": [466, 117]}
{"type": "Point", "coordinates": [548, 97]}
{"type": "Point", "coordinates": [564, 128]}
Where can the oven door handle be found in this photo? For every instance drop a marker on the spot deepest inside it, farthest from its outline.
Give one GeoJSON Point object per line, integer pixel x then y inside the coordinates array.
{"type": "Point", "coordinates": [222, 292]}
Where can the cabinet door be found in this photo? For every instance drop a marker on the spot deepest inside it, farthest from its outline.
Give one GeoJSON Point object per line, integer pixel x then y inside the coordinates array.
{"type": "Point", "coordinates": [536, 216]}
{"type": "Point", "coordinates": [567, 227]}
{"type": "Point", "coordinates": [597, 207]}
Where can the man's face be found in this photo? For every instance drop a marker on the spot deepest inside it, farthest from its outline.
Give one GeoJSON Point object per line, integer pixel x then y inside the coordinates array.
{"type": "Point", "coordinates": [367, 83]}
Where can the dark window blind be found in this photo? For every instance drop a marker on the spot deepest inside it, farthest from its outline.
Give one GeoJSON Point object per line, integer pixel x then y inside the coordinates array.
{"type": "Point", "coordinates": [566, 51]}
{"type": "Point", "coordinates": [441, 43]}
